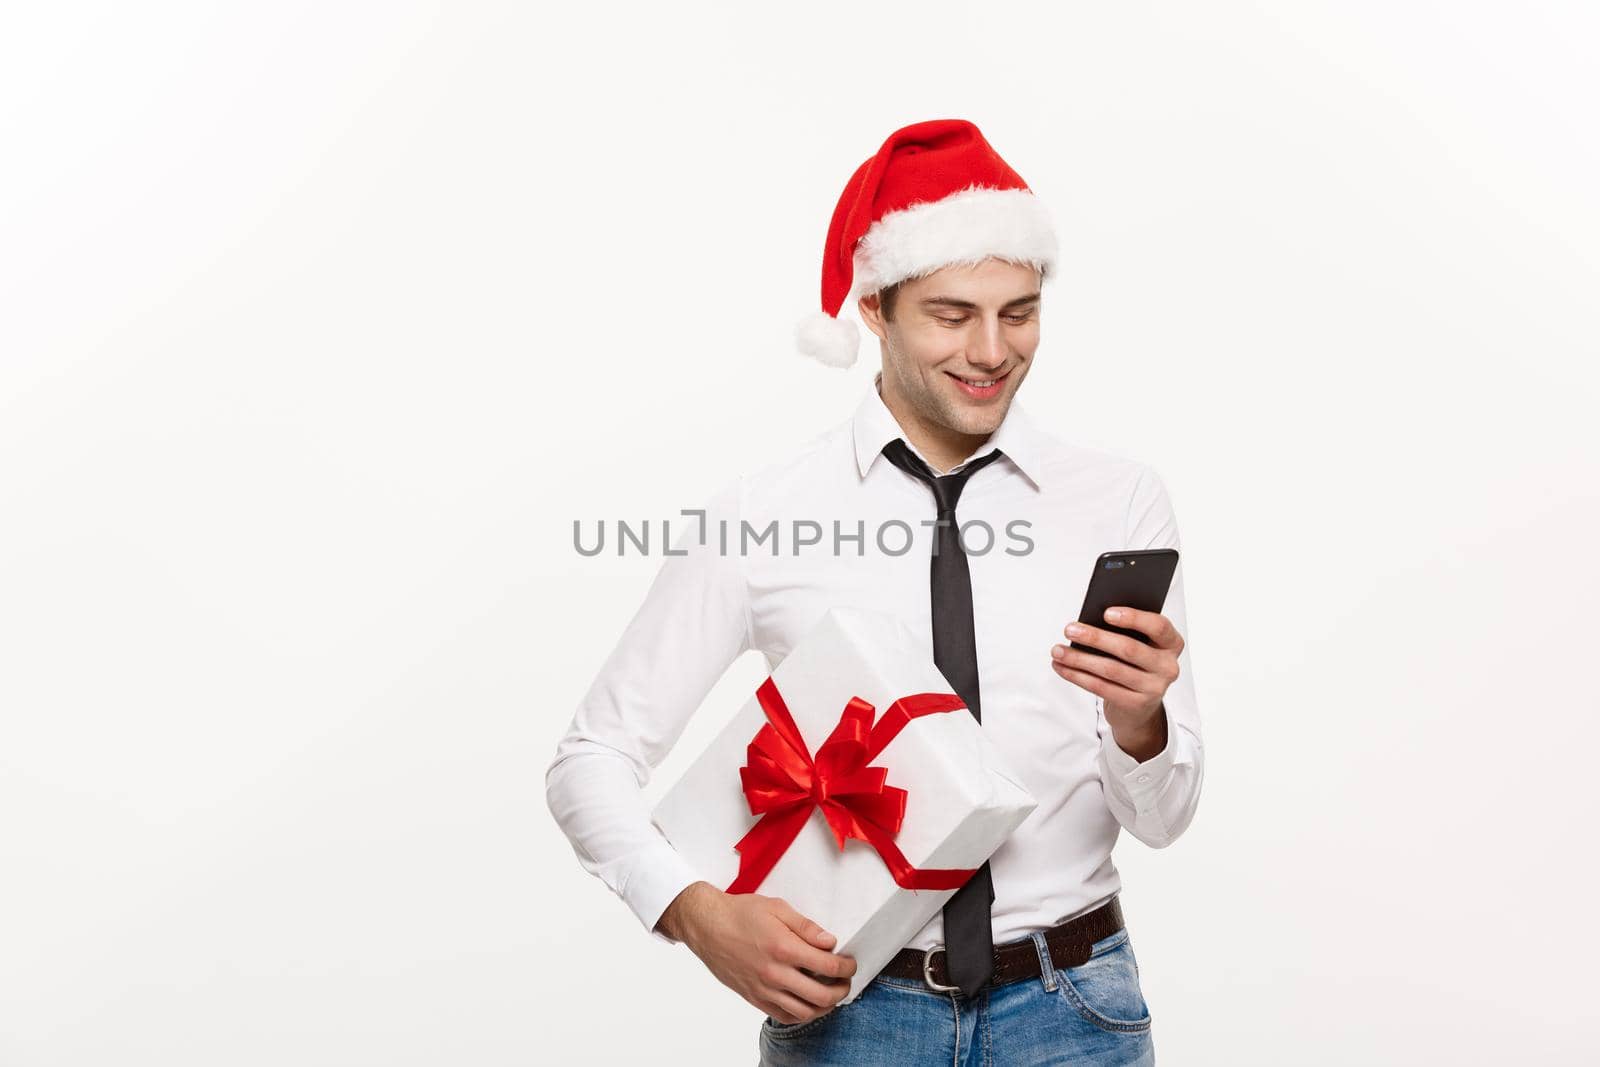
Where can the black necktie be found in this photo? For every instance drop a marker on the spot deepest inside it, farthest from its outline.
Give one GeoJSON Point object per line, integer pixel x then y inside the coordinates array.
{"type": "Point", "coordinates": [968, 938]}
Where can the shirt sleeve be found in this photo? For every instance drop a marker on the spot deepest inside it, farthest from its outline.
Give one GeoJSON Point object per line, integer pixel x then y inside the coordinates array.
{"type": "Point", "coordinates": [1155, 800]}
{"type": "Point", "coordinates": [694, 622]}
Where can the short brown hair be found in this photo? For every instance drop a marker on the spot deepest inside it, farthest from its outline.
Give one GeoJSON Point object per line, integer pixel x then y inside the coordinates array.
{"type": "Point", "coordinates": [886, 297]}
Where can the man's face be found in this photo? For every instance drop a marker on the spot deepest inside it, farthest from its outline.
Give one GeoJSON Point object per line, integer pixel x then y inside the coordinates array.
{"type": "Point", "coordinates": [961, 342]}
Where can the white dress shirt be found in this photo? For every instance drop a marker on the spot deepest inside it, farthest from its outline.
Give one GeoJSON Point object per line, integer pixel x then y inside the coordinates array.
{"type": "Point", "coordinates": [1053, 508]}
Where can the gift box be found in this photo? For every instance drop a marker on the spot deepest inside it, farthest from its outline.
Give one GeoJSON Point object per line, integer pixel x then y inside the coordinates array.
{"type": "Point", "coordinates": [854, 784]}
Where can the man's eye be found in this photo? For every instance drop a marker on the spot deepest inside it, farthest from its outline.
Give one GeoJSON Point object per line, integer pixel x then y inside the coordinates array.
{"type": "Point", "coordinates": [1016, 319]}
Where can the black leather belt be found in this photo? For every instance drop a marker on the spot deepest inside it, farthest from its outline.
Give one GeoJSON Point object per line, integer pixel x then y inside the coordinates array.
{"type": "Point", "coordinates": [1070, 945]}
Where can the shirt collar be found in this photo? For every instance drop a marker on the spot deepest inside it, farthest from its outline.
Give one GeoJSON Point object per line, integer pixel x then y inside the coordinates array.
{"type": "Point", "coordinates": [875, 426]}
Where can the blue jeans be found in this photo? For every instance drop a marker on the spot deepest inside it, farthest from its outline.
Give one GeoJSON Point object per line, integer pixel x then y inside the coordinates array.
{"type": "Point", "coordinates": [1093, 1014]}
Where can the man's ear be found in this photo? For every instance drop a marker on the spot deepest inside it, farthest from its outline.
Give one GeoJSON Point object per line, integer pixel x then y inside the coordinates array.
{"type": "Point", "coordinates": [872, 314]}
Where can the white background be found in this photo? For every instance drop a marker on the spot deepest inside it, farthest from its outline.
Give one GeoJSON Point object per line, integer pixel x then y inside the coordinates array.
{"type": "Point", "coordinates": [321, 323]}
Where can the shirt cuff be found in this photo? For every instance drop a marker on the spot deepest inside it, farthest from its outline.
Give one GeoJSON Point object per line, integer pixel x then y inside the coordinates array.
{"type": "Point", "coordinates": [659, 876]}
{"type": "Point", "coordinates": [1143, 780]}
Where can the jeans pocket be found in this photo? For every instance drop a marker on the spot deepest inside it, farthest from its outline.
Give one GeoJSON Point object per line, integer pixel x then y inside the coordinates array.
{"type": "Point", "coordinates": [783, 1030]}
{"type": "Point", "coordinates": [1105, 990]}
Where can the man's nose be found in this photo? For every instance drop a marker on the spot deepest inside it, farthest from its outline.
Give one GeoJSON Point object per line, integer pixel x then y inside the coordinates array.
{"type": "Point", "coordinates": [990, 351]}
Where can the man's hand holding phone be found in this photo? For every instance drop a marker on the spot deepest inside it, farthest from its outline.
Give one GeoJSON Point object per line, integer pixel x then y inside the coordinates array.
{"type": "Point", "coordinates": [1132, 677]}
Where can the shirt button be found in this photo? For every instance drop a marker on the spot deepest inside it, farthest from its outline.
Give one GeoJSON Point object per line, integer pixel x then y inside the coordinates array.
{"type": "Point", "coordinates": [1144, 778]}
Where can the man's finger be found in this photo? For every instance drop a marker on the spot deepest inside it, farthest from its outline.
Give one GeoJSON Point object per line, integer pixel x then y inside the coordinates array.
{"type": "Point", "coordinates": [1097, 685]}
{"type": "Point", "coordinates": [1112, 670]}
{"type": "Point", "coordinates": [1124, 648]}
{"type": "Point", "coordinates": [811, 991]}
{"type": "Point", "coordinates": [825, 964]}
{"type": "Point", "coordinates": [786, 1007]}
{"type": "Point", "coordinates": [1152, 624]}
{"type": "Point", "coordinates": [812, 952]}
{"type": "Point", "coordinates": [806, 928]}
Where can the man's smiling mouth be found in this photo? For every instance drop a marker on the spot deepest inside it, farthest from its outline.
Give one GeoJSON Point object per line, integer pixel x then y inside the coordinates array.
{"type": "Point", "coordinates": [980, 388]}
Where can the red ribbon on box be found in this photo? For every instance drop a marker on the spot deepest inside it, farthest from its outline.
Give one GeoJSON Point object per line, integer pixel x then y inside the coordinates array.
{"type": "Point", "coordinates": [782, 783]}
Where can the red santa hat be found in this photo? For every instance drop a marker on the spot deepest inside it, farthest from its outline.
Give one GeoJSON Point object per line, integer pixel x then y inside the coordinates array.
{"type": "Point", "coordinates": [936, 194]}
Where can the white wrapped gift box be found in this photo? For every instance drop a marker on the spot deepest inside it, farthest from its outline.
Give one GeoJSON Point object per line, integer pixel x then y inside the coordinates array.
{"type": "Point", "coordinates": [961, 801]}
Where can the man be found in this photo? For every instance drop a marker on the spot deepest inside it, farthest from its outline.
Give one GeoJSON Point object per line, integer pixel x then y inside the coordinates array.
{"type": "Point", "coordinates": [946, 250]}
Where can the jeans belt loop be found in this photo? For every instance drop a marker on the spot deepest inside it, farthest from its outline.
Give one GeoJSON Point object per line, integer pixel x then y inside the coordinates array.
{"type": "Point", "coordinates": [1047, 968]}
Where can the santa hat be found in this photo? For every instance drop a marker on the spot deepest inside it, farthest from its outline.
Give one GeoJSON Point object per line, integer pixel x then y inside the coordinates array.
{"type": "Point", "coordinates": [936, 194]}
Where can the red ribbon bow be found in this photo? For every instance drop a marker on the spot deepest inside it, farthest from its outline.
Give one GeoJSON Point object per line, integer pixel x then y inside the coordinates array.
{"type": "Point", "coordinates": [783, 783]}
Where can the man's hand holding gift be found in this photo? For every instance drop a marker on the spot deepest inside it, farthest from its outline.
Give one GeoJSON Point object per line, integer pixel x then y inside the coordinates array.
{"type": "Point", "coordinates": [761, 948]}
{"type": "Point", "coordinates": [1133, 683]}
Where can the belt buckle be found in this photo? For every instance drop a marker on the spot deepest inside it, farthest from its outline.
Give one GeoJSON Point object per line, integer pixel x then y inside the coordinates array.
{"type": "Point", "coordinates": [927, 971]}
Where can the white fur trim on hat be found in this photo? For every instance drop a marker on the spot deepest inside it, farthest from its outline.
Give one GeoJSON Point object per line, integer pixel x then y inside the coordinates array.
{"type": "Point", "coordinates": [965, 227]}
{"type": "Point", "coordinates": [830, 340]}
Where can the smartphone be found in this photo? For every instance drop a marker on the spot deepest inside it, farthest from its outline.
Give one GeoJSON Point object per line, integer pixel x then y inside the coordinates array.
{"type": "Point", "coordinates": [1137, 579]}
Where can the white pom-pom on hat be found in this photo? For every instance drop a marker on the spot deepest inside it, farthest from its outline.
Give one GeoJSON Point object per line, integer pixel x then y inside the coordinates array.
{"type": "Point", "coordinates": [827, 339]}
